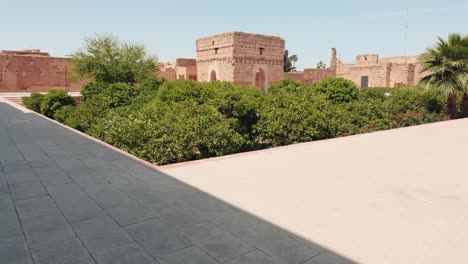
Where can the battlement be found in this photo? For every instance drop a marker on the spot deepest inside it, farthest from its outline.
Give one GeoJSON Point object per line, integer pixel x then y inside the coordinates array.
{"type": "Point", "coordinates": [29, 52]}
{"type": "Point", "coordinates": [241, 58]}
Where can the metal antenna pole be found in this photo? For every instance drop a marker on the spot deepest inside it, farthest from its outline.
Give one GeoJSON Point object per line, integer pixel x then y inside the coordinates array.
{"type": "Point", "coordinates": [405, 41]}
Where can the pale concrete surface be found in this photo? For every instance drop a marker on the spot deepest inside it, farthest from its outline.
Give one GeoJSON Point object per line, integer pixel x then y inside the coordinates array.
{"type": "Point", "coordinates": [398, 196]}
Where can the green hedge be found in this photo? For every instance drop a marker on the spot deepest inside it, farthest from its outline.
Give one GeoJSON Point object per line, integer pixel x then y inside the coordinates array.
{"type": "Point", "coordinates": [173, 121]}
{"type": "Point", "coordinates": [54, 100]}
{"type": "Point", "coordinates": [33, 102]}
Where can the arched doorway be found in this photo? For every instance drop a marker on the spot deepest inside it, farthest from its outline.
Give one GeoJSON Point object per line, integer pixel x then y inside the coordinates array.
{"type": "Point", "coordinates": [260, 79]}
{"type": "Point", "coordinates": [213, 76]}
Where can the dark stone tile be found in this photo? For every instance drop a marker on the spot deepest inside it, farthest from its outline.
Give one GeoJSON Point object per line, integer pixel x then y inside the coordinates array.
{"type": "Point", "coordinates": [34, 155]}
{"type": "Point", "coordinates": [125, 254]}
{"type": "Point", "coordinates": [130, 212]}
{"type": "Point", "coordinates": [234, 221]}
{"type": "Point", "coordinates": [157, 238]}
{"type": "Point", "coordinates": [13, 164]}
{"type": "Point", "coordinates": [45, 230]}
{"type": "Point", "coordinates": [106, 195]}
{"type": "Point", "coordinates": [100, 166]}
{"type": "Point", "coordinates": [36, 206]}
{"type": "Point", "coordinates": [51, 175]}
{"type": "Point", "coordinates": [329, 258]}
{"type": "Point", "coordinates": [254, 257]}
{"type": "Point", "coordinates": [73, 202]}
{"type": "Point", "coordinates": [27, 190]}
{"type": "Point", "coordinates": [277, 243]}
{"type": "Point", "coordinates": [126, 183]}
{"type": "Point", "coordinates": [3, 183]}
{"type": "Point", "coordinates": [39, 162]}
{"type": "Point", "coordinates": [9, 224]}
{"type": "Point", "coordinates": [6, 204]}
{"type": "Point", "coordinates": [206, 206]}
{"type": "Point", "coordinates": [190, 255]}
{"type": "Point", "coordinates": [69, 252]}
{"type": "Point", "coordinates": [4, 189]}
{"type": "Point", "coordinates": [13, 250]}
{"type": "Point", "coordinates": [101, 233]}
{"type": "Point", "coordinates": [178, 218]}
{"type": "Point", "coordinates": [163, 201]}
{"type": "Point", "coordinates": [21, 175]}
{"type": "Point", "coordinates": [216, 241]}
{"type": "Point", "coordinates": [70, 164]}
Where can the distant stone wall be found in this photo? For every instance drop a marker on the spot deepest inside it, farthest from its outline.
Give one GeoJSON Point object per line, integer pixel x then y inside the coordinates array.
{"type": "Point", "coordinates": [252, 60]}
{"type": "Point", "coordinates": [181, 69]}
{"type": "Point", "coordinates": [33, 71]}
{"type": "Point", "coordinates": [186, 69]}
{"type": "Point", "coordinates": [310, 76]}
{"type": "Point", "coordinates": [241, 58]}
{"type": "Point", "coordinates": [382, 72]}
{"type": "Point", "coordinates": [166, 71]}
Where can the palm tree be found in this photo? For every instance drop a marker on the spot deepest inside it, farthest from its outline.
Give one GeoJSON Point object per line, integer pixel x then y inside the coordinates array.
{"type": "Point", "coordinates": [447, 66]}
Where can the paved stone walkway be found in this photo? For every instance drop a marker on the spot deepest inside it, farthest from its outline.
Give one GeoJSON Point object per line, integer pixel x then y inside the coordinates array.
{"type": "Point", "coordinates": [67, 199]}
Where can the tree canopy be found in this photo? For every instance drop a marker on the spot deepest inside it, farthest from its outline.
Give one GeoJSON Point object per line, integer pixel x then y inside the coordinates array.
{"type": "Point", "coordinates": [321, 65]}
{"type": "Point", "coordinates": [107, 59]}
{"type": "Point", "coordinates": [289, 61]}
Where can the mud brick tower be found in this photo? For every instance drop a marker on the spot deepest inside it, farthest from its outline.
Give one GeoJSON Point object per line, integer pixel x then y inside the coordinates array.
{"type": "Point", "coordinates": [241, 58]}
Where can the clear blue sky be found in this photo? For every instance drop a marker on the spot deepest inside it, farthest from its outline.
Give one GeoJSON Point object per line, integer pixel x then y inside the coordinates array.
{"type": "Point", "coordinates": [169, 28]}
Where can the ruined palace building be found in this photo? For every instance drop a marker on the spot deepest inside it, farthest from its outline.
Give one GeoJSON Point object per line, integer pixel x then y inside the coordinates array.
{"type": "Point", "coordinates": [241, 58]}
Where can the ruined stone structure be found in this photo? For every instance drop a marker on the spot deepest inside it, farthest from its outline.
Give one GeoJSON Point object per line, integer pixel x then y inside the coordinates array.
{"type": "Point", "coordinates": [371, 71]}
{"type": "Point", "coordinates": [241, 58]}
{"type": "Point", "coordinates": [246, 59]}
{"type": "Point", "coordinates": [310, 76]}
{"type": "Point", "coordinates": [368, 71]}
{"type": "Point", "coordinates": [33, 71]}
{"type": "Point", "coordinates": [181, 69]}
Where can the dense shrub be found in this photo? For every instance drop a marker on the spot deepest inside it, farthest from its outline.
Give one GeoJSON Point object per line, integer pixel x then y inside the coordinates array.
{"type": "Point", "coordinates": [65, 113]}
{"type": "Point", "coordinates": [286, 85]}
{"type": "Point", "coordinates": [54, 101]}
{"type": "Point", "coordinates": [305, 115]}
{"type": "Point", "coordinates": [33, 102]}
{"type": "Point", "coordinates": [170, 132]}
{"type": "Point", "coordinates": [237, 103]}
{"type": "Point", "coordinates": [403, 100]}
{"type": "Point", "coordinates": [418, 118]}
{"type": "Point", "coordinates": [173, 121]}
{"type": "Point", "coordinates": [291, 117]}
{"type": "Point", "coordinates": [380, 93]}
{"type": "Point", "coordinates": [338, 90]}
{"type": "Point", "coordinates": [93, 89]}
{"type": "Point", "coordinates": [356, 117]}
{"type": "Point", "coordinates": [147, 91]}
{"type": "Point", "coordinates": [112, 95]}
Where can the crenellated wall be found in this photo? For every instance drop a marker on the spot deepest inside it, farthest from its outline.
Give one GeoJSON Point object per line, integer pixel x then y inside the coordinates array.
{"type": "Point", "coordinates": [181, 69]}
{"type": "Point", "coordinates": [241, 58]}
{"type": "Point", "coordinates": [252, 60]}
{"type": "Point", "coordinates": [33, 71]}
{"type": "Point", "coordinates": [310, 76]}
{"type": "Point", "coordinates": [382, 72]}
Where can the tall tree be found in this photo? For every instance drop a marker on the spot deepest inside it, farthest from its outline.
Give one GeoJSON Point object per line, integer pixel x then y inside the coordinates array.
{"type": "Point", "coordinates": [293, 58]}
{"type": "Point", "coordinates": [289, 62]}
{"type": "Point", "coordinates": [105, 58]}
{"type": "Point", "coordinates": [447, 66]}
{"type": "Point", "coordinates": [321, 65]}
